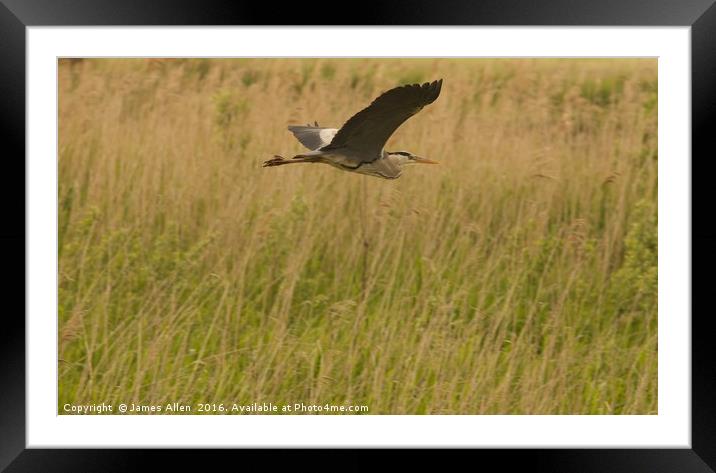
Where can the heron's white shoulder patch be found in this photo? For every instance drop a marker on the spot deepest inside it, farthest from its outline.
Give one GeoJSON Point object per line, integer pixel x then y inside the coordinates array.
{"type": "Point", "coordinates": [327, 134]}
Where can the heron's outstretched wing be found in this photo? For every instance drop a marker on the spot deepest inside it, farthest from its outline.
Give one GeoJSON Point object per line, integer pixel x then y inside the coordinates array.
{"type": "Point", "coordinates": [368, 130]}
{"type": "Point", "coordinates": [313, 137]}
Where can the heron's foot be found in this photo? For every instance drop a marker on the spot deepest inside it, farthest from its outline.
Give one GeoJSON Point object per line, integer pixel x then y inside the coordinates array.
{"type": "Point", "coordinates": [275, 161]}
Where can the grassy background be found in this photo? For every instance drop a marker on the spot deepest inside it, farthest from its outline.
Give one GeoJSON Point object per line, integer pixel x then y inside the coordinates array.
{"type": "Point", "coordinates": [519, 277]}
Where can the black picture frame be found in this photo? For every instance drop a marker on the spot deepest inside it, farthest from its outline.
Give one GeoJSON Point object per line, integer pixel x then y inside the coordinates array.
{"type": "Point", "coordinates": [16, 15]}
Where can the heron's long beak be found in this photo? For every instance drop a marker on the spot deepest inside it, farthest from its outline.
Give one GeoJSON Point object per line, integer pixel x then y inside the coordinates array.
{"type": "Point", "coordinates": [424, 161]}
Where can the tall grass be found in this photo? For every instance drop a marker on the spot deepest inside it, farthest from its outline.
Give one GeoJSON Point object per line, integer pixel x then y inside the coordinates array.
{"type": "Point", "coordinates": [519, 277]}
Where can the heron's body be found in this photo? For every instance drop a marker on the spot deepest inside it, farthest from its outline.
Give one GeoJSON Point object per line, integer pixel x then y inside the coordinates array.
{"type": "Point", "coordinates": [386, 167]}
{"type": "Point", "coordinates": [358, 146]}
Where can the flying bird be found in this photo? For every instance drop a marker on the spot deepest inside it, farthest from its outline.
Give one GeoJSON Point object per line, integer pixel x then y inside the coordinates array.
{"type": "Point", "coordinates": [358, 146]}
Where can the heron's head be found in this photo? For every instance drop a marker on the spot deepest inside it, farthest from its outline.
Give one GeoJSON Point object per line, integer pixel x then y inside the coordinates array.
{"type": "Point", "coordinates": [405, 157]}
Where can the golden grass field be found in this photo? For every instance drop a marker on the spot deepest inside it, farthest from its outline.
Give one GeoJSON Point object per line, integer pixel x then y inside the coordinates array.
{"type": "Point", "coordinates": [518, 277]}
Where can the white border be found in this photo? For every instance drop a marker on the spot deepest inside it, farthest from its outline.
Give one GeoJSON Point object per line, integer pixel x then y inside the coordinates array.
{"type": "Point", "coordinates": [670, 428]}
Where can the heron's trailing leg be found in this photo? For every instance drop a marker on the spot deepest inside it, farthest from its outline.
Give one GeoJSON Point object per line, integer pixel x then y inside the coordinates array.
{"type": "Point", "coordinates": [279, 160]}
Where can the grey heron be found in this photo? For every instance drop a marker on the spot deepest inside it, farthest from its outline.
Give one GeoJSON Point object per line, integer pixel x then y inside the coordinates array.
{"type": "Point", "coordinates": [358, 146]}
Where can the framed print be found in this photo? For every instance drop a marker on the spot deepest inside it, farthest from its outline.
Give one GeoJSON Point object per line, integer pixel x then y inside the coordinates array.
{"type": "Point", "coordinates": [528, 298]}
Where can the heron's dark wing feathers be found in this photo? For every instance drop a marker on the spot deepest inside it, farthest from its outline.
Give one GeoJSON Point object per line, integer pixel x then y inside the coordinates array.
{"type": "Point", "coordinates": [368, 130]}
